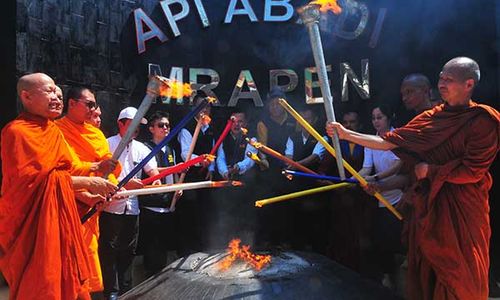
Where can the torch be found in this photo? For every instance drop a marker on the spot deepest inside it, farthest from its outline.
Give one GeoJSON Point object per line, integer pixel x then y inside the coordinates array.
{"type": "Point", "coordinates": [330, 150]}
{"type": "Point", "coordinates": [168, 188]}
{"type": "Point", "coordinates": [157, 86]}
{"type": "Point", "coordinates": [155, 150]}
{"type": "Point", "coordinates": [279, 156]}
{"type": "Point", "coordinates": [203, 119]}
{"type": "Point", "coordinates": [223, 135]}
{"type": "Point", "coordinates": [310, 15]}
{"type": "Point", "coordinates": [318, 177]}
{"type": "Point", "coordinates": [178, 168]}
{"type": "Point", "coordinates": [261, 203]}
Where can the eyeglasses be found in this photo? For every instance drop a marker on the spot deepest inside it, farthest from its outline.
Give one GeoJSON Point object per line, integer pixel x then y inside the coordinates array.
{"type": "Point", "coordinates": [90, 104]}
{"type": "Point", "coordinates": [163, 125]}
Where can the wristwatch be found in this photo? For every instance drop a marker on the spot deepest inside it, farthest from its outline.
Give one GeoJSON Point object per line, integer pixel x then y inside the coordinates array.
{"type": "Point", "coordinates": [376, 177]}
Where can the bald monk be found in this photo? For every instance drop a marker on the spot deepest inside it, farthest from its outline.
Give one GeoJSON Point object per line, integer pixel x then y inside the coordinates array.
{"type": "Point", "coordinates": [42, 254]}
{"type": "Point", "coordinates": [91, 147]}
{"type": "Point", "coordinates": [416, 92]}
{"type": "Point", "coordinates": [452, 147]}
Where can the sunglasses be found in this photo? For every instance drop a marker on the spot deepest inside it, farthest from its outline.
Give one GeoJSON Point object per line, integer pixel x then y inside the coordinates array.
{"type": "Point", "coordinates": [163, 125]}
{"type": "Point", "coordinates": [90, 104]}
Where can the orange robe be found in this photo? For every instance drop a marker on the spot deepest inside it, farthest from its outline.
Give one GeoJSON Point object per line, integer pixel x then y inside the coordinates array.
{"type": "Point", "coordinates": [90, 145]}
{"type": "Point", "coordinates": [448, 228]}
{"type": "Point", "coordinates": [42, 253]}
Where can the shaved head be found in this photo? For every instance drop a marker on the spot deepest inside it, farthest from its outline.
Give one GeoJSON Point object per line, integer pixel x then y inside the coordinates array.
{"type": "Point", "coordinates": [29, 81]}
{"type": "Point", "coordinates": [418, 80]}
{"type": "Point", "coordinates": [38, 94]}
{"type": "Point", "coordinates": [457, 80]}
{"type": "Point", "coordinates": [464, 68]}
{"type": "Point", "coordinates": [415, 92]}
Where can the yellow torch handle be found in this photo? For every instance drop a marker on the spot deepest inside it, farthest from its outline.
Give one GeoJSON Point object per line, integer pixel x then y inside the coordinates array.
{"type": "Point", "coordinates": [263, 202]}
{"type": "Point", "coordinates": [330, 149]}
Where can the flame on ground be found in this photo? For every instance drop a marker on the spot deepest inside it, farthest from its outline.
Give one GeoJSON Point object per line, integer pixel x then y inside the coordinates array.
{"type": "Point", "coordinates": [236, 252]}
{"type": "Point", "coordinates": [328, 5]}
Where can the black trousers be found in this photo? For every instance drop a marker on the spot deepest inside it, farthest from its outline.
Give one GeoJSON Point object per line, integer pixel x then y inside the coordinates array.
{"type": "Point", "coordinates": [157, 236]}
{"type": "Point", "coordinates": [386, 239]}
{"type": "Point", "coordinates": [117, 242]}
{"type": "Point", "coordinates": [193, 210]}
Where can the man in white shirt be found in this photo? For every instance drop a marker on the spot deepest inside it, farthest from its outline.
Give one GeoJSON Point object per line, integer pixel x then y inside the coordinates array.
{"type": "Point", "coordinates": [309, 214]}
{"type": "Point", "coordinates": [302, 147]}
{"type": "Point", "coordinates": [118, 223]}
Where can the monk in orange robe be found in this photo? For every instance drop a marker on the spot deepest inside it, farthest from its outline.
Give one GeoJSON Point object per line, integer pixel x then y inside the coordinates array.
{"type": "Point", "coordinates": [91, 147]}
{"type": "Point", "coordinates": [42, 254]}
{"type": "Point", "coordinates": [452, 147]}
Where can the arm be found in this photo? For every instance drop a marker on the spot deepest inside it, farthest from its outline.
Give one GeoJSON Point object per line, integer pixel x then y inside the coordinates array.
{"type": "Point", "coordinates": [319, 149]}
{"type": "Point", "coordinates": [211, 166]}
{"type": "Point", "coordinates": [398, 181]}
{"type": "Point", "coordinates": [105, 166]}
{"type": "Point", "coordinates": [366, 140]}
{"type": "Point", "coordinates": [365, 171]}
{"type": "Point", "coordinates": [315, 157]}
{"type": "Point", "coordinates": [482, 144]}
{"type": "Point", "coordinates": [311, 159]}
{"type": "Point", "coordinates": [89, 198]}
{"type": "Point", "coordinates": [289, 148]}
{"type": "Point", "coordinates": [392, 170]}
{"type": "Point", "coordinates": [185, 139]}
{"type": "Point", "coordinates": [247, 163]}
{"type": "Point", "coordinates": [95, 185]}
{"type": "Point", "coordinates": [151, 167]}
{"type": "Point", "coordinates": [262, 133]}
{"type": "Point", "coordinates": [152, 172]}
{"type": "Point", "coordinates": [221, 162]}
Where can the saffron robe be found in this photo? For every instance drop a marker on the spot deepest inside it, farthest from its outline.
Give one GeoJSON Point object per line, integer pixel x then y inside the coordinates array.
{"type": "Point", "coordinates": [42, 253]}
{"type": "Point", "coordinates": [90, 145]}
{"type": "Point", "coordinates": [448, 229]}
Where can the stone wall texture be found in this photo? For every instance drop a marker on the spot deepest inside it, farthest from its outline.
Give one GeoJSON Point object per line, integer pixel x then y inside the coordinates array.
{"type": "Point", "coordinates": [77, 42]}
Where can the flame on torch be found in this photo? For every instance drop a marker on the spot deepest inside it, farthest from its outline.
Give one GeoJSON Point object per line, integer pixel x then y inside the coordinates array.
{"type": "Point", "coordinates": [175, 89]}
{"type": "Point", "coordinates": [236, 252]}
{"type": "Point", "coordinates": [205, 120]}
{"type": "Point", "coordinates": [328, 5]}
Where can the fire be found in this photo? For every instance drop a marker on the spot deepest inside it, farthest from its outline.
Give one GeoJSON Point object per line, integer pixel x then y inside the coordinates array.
{"type": "Point", "coordinates": [326, 5]}
{"type": "Point", "coordinates": [205, 120]}
{"type": "Point", "coordinates": [235, 251]}
{"type": "Point", "coordinates": [176, 89]}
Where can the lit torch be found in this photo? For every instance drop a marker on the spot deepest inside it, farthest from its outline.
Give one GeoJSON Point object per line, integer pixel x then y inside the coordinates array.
{"type": "Point", "coordinates": [157, 86]}
{"type": "Point", "coordinates": [310, 15]}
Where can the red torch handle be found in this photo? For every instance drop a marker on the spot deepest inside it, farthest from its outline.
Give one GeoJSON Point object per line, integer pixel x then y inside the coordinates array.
{"type": "Point", "coordinates": [175, 169]}
{"type": "Point", "coordinates": [222, 136]}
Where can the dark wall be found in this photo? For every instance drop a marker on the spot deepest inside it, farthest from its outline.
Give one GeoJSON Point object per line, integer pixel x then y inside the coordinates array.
{"type": "Point", "coordinates": [76, 42]}
{"type": "Point", "coordinates": [89, 42]}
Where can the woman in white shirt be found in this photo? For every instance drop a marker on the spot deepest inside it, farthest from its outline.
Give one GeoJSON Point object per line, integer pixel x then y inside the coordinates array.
{"type": "Point", "coordinates": [379, 166]}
